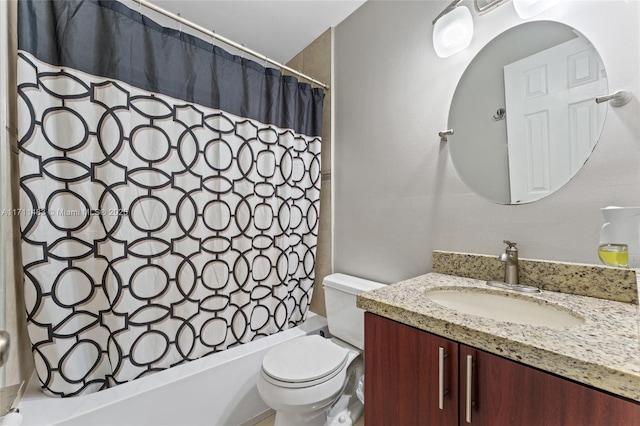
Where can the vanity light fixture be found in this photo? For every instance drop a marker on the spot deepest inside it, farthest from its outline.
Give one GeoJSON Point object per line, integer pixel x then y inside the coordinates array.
{"type": "Point", "coordinates": [452, 30]}
{"type": "Point", "coordinates": [485, 6]}
{"type": "Point", "coordinates": [528, 8]}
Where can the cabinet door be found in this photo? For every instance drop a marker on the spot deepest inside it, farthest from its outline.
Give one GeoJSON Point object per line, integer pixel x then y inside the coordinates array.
{"type": "Point", "coordinates": [504, 392]}
{"type": "Point", "coordinates": [402, 380]}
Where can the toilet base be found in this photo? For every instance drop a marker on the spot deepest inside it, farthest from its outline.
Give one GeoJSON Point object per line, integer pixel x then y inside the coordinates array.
{"type": "Point", "coordinates": [345, 412]}
{"type": "Point", "coordinates": [301, 419]}
{"type": "Point", "coordinates": [322, 404]}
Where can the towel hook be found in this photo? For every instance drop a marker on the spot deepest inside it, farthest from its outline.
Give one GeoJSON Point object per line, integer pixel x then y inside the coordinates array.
{"type": "Point", "coordinates": [443, 135]}
{"type": "Point", "coordinates": [500, 114]}
{"type": "Point", "coordinates": [616, 99]}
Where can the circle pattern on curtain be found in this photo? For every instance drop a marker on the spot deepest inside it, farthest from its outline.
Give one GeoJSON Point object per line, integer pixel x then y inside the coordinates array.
{"type": "Point", "coordinates": [155, 231]}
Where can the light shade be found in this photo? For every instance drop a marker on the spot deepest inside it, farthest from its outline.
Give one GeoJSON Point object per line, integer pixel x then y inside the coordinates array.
{"type": "Point", "coordinates": [528, 8]}
{"type": "Point", "coordinates": [453, 32]}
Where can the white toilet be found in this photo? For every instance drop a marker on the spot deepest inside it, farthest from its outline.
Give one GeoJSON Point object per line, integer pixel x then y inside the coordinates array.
{"type": "Point", "coordinates": [312, 381]}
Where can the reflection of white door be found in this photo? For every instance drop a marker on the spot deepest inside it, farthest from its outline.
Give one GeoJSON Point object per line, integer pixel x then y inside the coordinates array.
{"type": "Point", "coordinates": [552, 118]}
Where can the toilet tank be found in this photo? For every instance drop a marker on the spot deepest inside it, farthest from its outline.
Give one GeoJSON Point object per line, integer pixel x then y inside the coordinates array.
{"type": "Point", "coordinates": [346, 321]}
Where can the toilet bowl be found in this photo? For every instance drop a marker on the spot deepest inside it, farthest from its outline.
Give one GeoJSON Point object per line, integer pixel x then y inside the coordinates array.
{"type": "Point", "coordinates": [305, 378]}
{"type": "Point", "coordinates": [313, 380]}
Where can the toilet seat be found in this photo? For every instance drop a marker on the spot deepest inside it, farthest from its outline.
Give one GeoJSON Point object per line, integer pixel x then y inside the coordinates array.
{"type": "Point", "coordinates": [304, 362]}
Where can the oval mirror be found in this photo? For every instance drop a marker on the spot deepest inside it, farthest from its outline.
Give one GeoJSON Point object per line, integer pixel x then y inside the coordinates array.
{"type": "Point", "coordinates": [524, 114]}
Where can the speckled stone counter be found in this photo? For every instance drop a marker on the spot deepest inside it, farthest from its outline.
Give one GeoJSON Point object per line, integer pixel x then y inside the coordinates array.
{"type": "Point", "coordinates": [602, 282]}
{"type": "Point", "coordinates": [604, 352]}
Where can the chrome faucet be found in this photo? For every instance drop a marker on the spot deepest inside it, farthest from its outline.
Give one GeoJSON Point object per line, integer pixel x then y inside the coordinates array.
{"type": "Point", "coordinates": [510, 259]}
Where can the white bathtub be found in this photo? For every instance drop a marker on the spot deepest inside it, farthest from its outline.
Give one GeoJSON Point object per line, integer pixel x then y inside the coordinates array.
{"type": "Point", "coordinates": [219, 390]}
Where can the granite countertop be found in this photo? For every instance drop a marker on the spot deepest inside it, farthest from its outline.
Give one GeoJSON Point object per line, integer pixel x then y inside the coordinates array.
{"type": "Point", "coordinates": [604, 352]}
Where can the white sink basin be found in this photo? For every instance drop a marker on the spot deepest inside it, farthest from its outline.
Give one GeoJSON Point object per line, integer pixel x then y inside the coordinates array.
{"type": "Point", "coordinates": [499, 307]}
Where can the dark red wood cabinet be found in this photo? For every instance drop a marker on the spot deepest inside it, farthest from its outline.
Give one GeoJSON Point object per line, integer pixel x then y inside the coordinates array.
{"type": "Point", "coordinates": [417, 378]}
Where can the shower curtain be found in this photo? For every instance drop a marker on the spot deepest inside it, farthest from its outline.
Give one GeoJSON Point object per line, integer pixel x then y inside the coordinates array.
{"type": "Point", "coordinates": [169, 194]}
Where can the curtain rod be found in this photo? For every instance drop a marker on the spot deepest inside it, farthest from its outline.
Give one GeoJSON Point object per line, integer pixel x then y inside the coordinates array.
{"type": "Point", "coordinates": [225, 40]}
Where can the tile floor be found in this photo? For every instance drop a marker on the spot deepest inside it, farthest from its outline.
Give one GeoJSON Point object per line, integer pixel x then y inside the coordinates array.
{"type": "Point", "coordinates": [269, 421]}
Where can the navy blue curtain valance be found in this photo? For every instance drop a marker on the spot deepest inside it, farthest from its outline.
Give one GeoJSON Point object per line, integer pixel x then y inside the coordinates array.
{"type": "Point", "coordinates": [108, 39]}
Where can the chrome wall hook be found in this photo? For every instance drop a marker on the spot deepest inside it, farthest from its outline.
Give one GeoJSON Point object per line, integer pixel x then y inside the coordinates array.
{"type": "Point", "coordinates": [443, 135]}
{"type": "Point", "coordinates": [500, 114]}
{"type": "Point", "coordinates": [616, 99]}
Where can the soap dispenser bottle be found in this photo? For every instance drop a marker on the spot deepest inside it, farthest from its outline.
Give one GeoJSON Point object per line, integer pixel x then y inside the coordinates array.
{"type": "Point", "coordinates": [622, 228]}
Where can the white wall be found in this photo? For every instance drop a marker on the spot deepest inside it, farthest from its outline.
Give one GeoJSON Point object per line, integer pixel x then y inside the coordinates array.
{"type": "Point", "coordinates": [397, 194]}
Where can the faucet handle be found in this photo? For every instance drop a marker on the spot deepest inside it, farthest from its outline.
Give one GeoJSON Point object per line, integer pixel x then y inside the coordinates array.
{"type": "Point", "coordinates": [510, 244]}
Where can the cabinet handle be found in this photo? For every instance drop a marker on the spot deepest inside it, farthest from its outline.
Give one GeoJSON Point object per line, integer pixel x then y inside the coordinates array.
{"type": "Point", "coordinates": [469, 384]}
{"type": "Point", "coordinates": [441, 391]}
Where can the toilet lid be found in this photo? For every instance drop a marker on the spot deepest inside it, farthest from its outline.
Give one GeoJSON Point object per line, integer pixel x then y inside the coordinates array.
{"type": "Point", "coordinates": [306, 359]}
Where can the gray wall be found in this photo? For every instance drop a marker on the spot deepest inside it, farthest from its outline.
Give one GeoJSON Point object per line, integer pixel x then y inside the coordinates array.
{"type": "Point", "coordinates": [397, 195]}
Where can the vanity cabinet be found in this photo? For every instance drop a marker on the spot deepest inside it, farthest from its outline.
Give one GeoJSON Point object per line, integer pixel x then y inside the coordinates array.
{"type": "Point", "coordinates": [416, 378]}
{"type": "Point", "coordinates": [401, 375]}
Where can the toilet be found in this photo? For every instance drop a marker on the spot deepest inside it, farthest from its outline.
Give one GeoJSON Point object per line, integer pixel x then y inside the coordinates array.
{"type": "Point", "coordinates": [312, 380]}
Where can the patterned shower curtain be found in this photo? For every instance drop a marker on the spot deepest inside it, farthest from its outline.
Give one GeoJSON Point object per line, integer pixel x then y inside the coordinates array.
{"type": "Point", "coordinates": [169, 195]}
